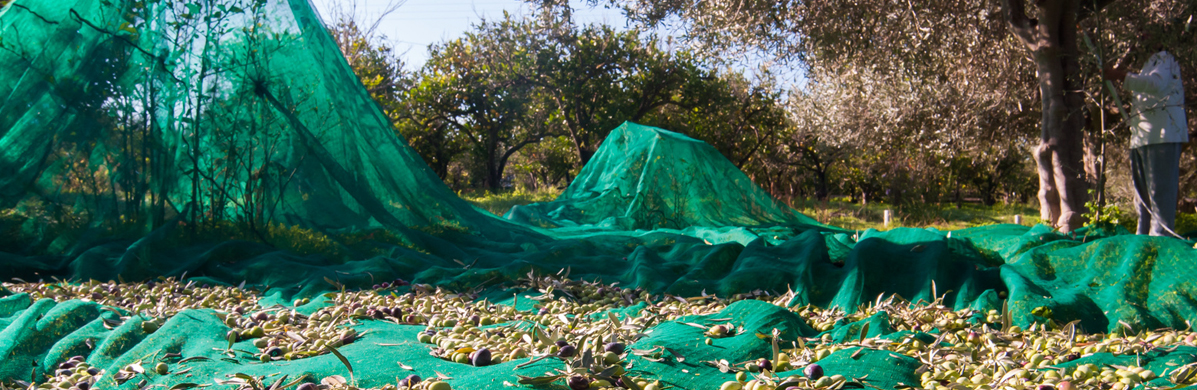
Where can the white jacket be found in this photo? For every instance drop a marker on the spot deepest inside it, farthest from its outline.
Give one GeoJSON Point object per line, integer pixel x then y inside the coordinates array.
{"type": "Point", "coordinates": [1158, 115]}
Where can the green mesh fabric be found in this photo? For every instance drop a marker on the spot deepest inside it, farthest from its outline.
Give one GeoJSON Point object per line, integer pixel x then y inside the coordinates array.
{"type": "Point", "coordinates": [159, 133]}
{"type": "Point", "coordinates": [644, 177]}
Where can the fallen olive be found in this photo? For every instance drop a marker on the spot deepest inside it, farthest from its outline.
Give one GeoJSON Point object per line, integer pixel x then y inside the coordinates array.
{"type": "Point", "coordinates": [813, 371]}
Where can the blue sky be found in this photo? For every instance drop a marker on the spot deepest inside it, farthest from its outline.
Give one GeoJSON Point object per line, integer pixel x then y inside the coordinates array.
{"type": "Point", "coordinates": [418, 23]}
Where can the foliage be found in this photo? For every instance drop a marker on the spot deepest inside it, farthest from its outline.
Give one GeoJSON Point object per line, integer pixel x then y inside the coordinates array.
{"type": "Point", "coordinates": [499, 203]}
{"type": "Point", "coordinates": [371, 57]}
{"type": "Point", "coordinates": [1098, 214]}
{"type": "Point", "coordinates": [1186, 223]}
{"type": "Point", "coordinates": [473, 89]}
{"type": "Point", "coordinates": [939, 83]}
{"type": "Point", "coordinates": [502, 105]}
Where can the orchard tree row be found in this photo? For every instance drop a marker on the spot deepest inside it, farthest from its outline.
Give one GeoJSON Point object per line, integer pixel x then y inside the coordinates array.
{"type": "Point", "coordinates": [902, 102]}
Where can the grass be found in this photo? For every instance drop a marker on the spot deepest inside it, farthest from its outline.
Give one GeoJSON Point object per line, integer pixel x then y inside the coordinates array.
{"type": "Point", "coordinates": [499, 203]}
{"type": "Point", "coordinates": [943, 217]}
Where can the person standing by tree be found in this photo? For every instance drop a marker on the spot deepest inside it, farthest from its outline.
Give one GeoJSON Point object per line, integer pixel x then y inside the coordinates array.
{"type": "Point", "coordinates": [1158, 130]}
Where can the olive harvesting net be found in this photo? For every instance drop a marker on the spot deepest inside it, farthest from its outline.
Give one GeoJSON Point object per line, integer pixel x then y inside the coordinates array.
{"type": "Point", "coordinates": [153, 154]}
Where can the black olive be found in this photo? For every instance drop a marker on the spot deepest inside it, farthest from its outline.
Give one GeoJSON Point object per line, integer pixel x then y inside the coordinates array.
{"type": "Point", "coordinates": [481, 358]}
{"type": "Point", "coordinates": [813, 371]}
{"type": "Point", "coordinates": [578, 382]}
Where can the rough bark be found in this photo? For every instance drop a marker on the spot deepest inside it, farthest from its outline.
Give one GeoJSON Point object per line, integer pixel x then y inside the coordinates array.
{"type": "Point", "coordinates": [1052, 40]}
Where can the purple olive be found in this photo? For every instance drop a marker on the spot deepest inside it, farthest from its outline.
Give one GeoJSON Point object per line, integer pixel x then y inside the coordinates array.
{"type": "Point", "coordinates": [84, 385]}
{"type": "Point", "coordinates": [813, 371]}
{"type": "Point", "coordinates": [567, 351]}
{"type": "Point", "coordinates": [410, 381]}
{"type": "Point", "coordinates": [67, 364]}
{"type": "Point", "coordinates": [616, 348]}
{"type": "Point", "coordinates": [578, 382]}
{"type": "Point", "coordinates": [481, 358]}
{"type": "Point", "coordinates": [765, 364]}
{"type": "Point", "coordinates": [562, 343]}
{"type": "Point", "coordinates": [307, 386]}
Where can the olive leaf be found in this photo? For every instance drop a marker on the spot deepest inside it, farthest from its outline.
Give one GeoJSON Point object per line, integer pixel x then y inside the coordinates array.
{"type": "Point", "coordinates": [540, 335]}
{"type": "Point", "coordinates": [1006, 315]}
{"type": "Point", "coordinates": [587, 358]}
{"type": "Point", "coordinates": [776, 347]}
{"type": "Point", "coordinates": [342, 358]}
{"type": "Point", "coordinates": [676, 354]}
{"type": "Point", "coordinates": [335, 380]}
{"type": "Point", "coordinates": [723, 365]}
{"type": "Point", "coordinates": [1185, 375]}
{"type": "Point", "coordinates": [539, 380]}
{"type": "Point", "coordinates": [301, 378]}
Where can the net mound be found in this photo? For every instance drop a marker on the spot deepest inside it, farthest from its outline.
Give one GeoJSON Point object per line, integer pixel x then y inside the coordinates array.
{"type": "Point", "coordinates": [228, 141]}
{"type": "Point", "coordinates": [644, 177]}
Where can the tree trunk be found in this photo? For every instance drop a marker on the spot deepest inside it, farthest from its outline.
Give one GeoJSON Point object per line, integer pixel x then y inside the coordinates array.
{"type": "Point", "coordinates": [585, 154]}
{"type": "Point", "coordinates": [1059, 156]}
{"type": "Point", "coordinates": [494, 174]}
{"type": "Point", "coordinates": [1095, 154]}
{"type": "Point", "coordinates": [821, 188]}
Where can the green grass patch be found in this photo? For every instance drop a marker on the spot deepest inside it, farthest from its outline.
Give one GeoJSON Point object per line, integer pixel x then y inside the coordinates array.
{"type": "Point", "coordinates": [499, 203]}
{"type": "Point", "coordinates": [944, 217]}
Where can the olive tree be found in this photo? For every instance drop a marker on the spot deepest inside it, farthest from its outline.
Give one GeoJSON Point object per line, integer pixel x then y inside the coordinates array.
{"type": "Point", "coordinates": [965, 44]}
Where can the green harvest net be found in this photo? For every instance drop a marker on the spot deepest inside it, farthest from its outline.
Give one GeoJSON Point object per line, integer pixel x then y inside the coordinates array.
{"type": "Point", "coordinates": [228, 141]}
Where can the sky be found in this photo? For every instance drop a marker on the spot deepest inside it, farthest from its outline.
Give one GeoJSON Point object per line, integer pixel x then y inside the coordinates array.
{"type": "Point", "coordinates": [418, 23]}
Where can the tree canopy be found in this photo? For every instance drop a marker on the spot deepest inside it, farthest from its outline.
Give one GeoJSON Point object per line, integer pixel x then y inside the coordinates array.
{"type": "Point", "coordinates": [912, 102]}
